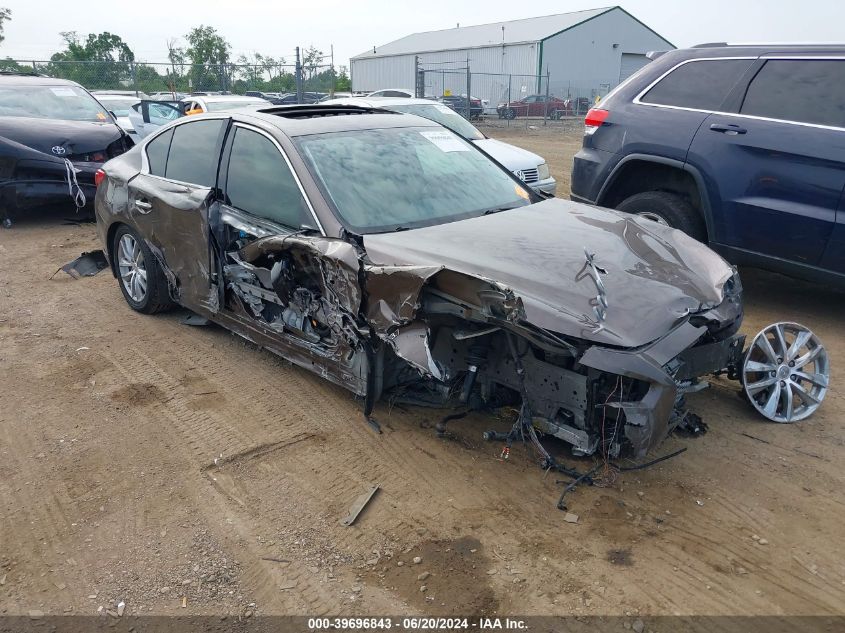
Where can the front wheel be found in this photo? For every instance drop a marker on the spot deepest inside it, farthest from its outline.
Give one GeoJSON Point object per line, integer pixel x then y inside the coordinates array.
{"type": "Point", "coordinates": [509, 113]}
{"type": "Point", "coordinates": [139, 273]}
{"type": "Point", "coordinates": [668, 209]}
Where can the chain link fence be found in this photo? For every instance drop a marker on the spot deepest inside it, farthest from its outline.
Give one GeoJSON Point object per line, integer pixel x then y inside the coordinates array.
{"type": "Point", "coordinates": [510, 99]}
{"type": "Point", "coordinates": [146, 78]}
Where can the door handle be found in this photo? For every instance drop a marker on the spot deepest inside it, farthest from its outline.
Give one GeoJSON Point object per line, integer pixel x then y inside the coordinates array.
{"type": "Point", "coordinates": [728, 128]}
{"type": "Point", "coordinates": [143, 205]}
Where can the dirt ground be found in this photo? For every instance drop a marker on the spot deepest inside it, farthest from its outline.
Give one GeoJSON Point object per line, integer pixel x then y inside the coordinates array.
{"type": "Point", "coordinates": [181, 470]}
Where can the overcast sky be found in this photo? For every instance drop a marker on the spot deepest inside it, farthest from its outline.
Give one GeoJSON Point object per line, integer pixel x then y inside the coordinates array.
{"type": "Point", "coordinates": [275, 27]}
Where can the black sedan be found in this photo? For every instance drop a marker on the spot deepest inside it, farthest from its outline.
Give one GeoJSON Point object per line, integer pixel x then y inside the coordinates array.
{"type": "Point", "coordinates": [391, 256]}
{"type": "Point", "coordinates": [53, 137]}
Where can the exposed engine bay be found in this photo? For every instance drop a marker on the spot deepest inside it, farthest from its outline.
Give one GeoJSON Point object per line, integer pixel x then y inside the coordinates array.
{"type": "Point", "coordinates": [430, 336]}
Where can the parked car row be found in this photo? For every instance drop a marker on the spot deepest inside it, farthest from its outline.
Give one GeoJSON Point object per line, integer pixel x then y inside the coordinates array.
{"type": "Point", "coordinates": [543, 106]}
{"type": "Point", "coordinates": [386, 244]}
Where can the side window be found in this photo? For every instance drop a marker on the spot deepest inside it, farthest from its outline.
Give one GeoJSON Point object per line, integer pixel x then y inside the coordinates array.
{"type": "Point", "coordinates": [702, 85]}
{"type": "Point", "coordinates": [807, 91]}
{"type": "Point", "coordinates": [157, 150]}
{"type": "Point", "coordinates": [260, 182]}
{"type": "Point", "coordinates": [194, 152]}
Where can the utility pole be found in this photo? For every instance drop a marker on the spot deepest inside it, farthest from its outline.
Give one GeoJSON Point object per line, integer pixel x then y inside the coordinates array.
{"type": "Point", "coordinates": [333, 73]}
{"type": "Point", "coordinates": [469, 81]}
{"type": "Point", "coordinates": [298, 77]}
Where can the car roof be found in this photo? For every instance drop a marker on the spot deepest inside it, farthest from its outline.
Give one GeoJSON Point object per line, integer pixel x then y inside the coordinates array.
{"type": "Point", "coordinates": [20, 79]}
{"type": "Point", "coordinates": [723, 49]}
{"type": "Point", "coordinates": [303, 120]}
{"type": "Point", "coordinates": [379, 102]}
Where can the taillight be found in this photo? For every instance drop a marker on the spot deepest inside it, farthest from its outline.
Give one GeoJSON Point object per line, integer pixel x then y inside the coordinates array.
{"type": "Point", "coordinates": [99, 176]}
{"type": "Point", "coordinates": [595, 117]}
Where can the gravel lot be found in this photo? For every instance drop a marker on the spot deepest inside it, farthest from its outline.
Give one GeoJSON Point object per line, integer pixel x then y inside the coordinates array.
{"type": "Point", "coordinates": [181, 470]}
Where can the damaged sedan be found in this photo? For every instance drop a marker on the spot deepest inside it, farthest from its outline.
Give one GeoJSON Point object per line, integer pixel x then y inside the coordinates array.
{"type": "Point", "coordinates": [390, 256]}
{"type": "Point", "coordinates": [53, 137]}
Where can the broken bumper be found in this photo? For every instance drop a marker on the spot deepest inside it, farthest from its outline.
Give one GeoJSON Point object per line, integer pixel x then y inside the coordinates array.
{"type": "Point", "coordinates": [671, 366]}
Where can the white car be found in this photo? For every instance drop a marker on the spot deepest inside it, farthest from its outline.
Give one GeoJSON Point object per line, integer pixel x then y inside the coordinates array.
{"type": "Point", "coordinates": [527, 166]}
{"type": "Point", "coordinates": [200, 104]}
{"type": "Point", "coordinates": [120, 106]}
{"type": "Point", "coordinates": [393, 92]}
{"type": "Point", "coordinates": [147, 116]}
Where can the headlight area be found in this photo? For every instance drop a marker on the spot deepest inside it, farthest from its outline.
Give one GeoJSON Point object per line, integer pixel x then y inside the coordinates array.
{"type": "Point", "coordinates": [543, 171]}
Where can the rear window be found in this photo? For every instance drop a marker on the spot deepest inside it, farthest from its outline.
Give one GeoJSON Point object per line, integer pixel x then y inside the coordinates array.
{"type": "Point", "coordinates": [194, 152]}
{"type": "Point", "coordinates": [806, 91]}
{"type": "Point", "coordinates": [157, 150]}
{"type": "Point", "coordinates": [702, 85]}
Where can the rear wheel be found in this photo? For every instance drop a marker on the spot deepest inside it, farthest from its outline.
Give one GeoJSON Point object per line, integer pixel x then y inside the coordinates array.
{"type": "Point", "coordinates": [139, 273]}
{"type": "Point", "coordinates": [668, 209]}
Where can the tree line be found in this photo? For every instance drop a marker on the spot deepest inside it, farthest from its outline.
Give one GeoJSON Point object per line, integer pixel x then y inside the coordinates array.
{"type": "Point", "coordinates": [105, 61]}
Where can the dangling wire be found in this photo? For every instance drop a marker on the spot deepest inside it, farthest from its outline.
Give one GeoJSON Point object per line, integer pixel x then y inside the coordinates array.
{"type": "Point", "coordinates": [73, 187]}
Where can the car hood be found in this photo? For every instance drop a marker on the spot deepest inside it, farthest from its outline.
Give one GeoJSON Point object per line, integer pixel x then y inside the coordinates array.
{"type": "Point", "coordinates": [655, 275]}
{"type": "Point", "coordinates": [76, 137]}
{"type": "Point", "coordinates": [512, 157]}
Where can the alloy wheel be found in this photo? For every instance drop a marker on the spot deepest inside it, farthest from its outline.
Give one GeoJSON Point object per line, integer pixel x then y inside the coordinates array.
{"type": "Point", "coordinates": [133, 269]}
{"type": "Point", "coordinates": [786, 372]}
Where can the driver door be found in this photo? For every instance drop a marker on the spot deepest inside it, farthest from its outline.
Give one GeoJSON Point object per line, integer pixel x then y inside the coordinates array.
{"type": "Point", "coordinates": [170, 203]}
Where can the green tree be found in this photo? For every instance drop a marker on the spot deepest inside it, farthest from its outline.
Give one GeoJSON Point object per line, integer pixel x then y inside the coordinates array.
{"type": "Point", "coordinates": [343, 83]}
{"type": "Point", "coordinates": [5, 16]}
{"type": "Point", "coordinates": [102, 60]}
{"type": "Point", "coordinates": [208, 52]}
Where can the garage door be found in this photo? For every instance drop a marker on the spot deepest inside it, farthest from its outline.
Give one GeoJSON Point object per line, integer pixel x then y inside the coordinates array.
{"type": "Point", "coordinates": [631, 63]}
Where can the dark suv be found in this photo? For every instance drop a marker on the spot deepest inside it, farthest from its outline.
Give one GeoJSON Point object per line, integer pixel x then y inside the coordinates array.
{"type": "Point", "coordinates": [742, 147]}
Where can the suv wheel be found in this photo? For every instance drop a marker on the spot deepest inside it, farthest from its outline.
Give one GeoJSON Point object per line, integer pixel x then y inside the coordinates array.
{"type": "Point", "coordinates": [668, 209]}
{"type": "Point", "coordinates": [139, 274]}
{"type": "Point", "coordinates": [509, 113]}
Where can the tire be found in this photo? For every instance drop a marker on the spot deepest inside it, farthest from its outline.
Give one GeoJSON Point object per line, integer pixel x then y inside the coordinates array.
{"type": "Point", "coordinates": [149, 297]}
{"type": "Point", "coordinates": [669, 209]}
{"type": "Point", "coordinates": [509, 113]}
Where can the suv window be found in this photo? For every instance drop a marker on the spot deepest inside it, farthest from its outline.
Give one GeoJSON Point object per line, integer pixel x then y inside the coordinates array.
{"type": "Point", "coordinates": [194, 152]}
{"type": "Point", "coordinates": [702, 85]}
{"type": "Point", "coordinates": [157, 150]}
{"type": "Point", "coordinates": [260, 182]}
{"type": "Point", "coordinates": [807, 91]}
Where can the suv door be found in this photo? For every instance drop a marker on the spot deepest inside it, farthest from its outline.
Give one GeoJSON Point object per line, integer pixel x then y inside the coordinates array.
{"type": "Point", "coordinates": [169, 202]}
{"type": "Point", "coordinates": [775, 167]}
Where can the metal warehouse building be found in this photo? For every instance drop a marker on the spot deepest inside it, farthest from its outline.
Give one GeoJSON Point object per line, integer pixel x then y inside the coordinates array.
{"type": "Point", "coordinates": [585, 53]}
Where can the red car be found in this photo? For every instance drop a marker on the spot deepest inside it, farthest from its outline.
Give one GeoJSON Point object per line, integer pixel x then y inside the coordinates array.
{"type": "Point", "coordinates": [535, 105]}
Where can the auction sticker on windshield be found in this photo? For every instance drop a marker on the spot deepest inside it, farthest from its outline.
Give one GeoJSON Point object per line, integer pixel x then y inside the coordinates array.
{"type": "Point", "coordinates": [446, 141]}
{"type": "Point", "coordinates": [63, 92]}
{"type": "Point", "coordinates": [445, 109]}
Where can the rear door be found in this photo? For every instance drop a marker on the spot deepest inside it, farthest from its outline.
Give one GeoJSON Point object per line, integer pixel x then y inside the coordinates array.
{"type": "Point", "coordinates": [834, 255]}
{"type": "Point", "coordinates": [777, 164]}
{"type": "Point", "coordinates": [170, 200]}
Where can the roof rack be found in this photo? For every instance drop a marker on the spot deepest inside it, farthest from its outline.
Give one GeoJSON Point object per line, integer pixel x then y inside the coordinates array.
{"type": "Point", "coordinates": [765, 44]}
{"type": "Point", "coordinates": [311, 110]}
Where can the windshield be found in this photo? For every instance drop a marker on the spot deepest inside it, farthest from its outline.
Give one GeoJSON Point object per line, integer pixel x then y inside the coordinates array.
{"type": "Point", "coordinates": [404, 178]}
{"type": "Point", "coordinates": [445, 116]}
{"type": "Point", "coordinates": [218, 106]}
{"type": "Point", "coordinates": [67, 103]}
{"type": "Point", "coordinates": [120, 107]}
